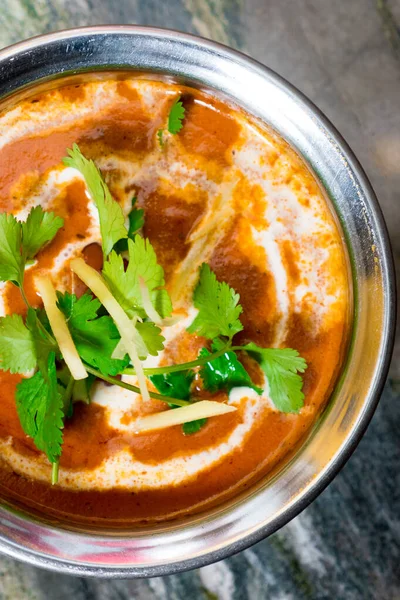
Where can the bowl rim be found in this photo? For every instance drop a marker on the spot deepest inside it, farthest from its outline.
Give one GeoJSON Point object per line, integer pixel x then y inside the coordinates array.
{"type": "Point", "coordinates": [305, 497]}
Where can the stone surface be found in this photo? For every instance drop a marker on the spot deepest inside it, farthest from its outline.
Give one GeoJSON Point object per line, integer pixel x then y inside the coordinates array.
{"type": "Point", "coordinates": [344, 55]}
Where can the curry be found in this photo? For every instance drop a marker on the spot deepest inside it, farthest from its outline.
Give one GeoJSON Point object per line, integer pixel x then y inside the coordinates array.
{"type": "Point", "coordinates": [222, 191]}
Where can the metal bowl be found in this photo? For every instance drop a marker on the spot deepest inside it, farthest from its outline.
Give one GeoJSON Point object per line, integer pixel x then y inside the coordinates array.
{"type": "Point", "coordinates": [261, 510]}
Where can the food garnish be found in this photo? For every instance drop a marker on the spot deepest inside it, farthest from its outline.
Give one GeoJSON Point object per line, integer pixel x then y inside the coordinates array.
{"type": "Point", "coordinates": [175, 121]}
{"type": "Point", "coordinates": [18, 353]}
{"type": "Point", "coordinates": [281, 367]}
{"type": "Point", "coordinates": [60, 329]}
{"type": "Point", "coordinates": [21, 241]}
{"type": "Point", "coordinates": [95, 337]}
{"type": "Point", "coordinates": [225, 372]}
{"type": "Point", "coordinates": [112, 328]}
{"type": "Point", "coordinates": [176, 116]}
{"type": "Point", "coordinates": [40, 411]}
{"type": "Point", "coordinates": [218, 305]}
{"type": "Point", "coordinates": [125, 284]}
{"type": "Point", "coordinates": [160, 137]}
{"type": "Point", "coordinates": [111, 217]}
{"type": "Point", "coordinates": [136, 222]}
{"type": "Point", "coordinates": [126, 327]}
{"type": "Point", "coordinates": [185, 414]}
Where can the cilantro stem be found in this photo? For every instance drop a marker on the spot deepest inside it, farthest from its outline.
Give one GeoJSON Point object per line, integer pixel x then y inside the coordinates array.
{"type": "Point", "coordinates": [24, 298]}
{"type": "Point", "coordinates": [69, 388]}
{"type": "Point", "coordinates": [134, 388]}
{"type": "Point", "coordinates": [54, 473]}
{"type": "Point", "coordinates": [46, 333]}
{"type": "Point", "coordinates": [67, 395]}
{"type": "Point", "coordinates": [40, 324]}
{"type": "Point", "coordinates": [203, 360]}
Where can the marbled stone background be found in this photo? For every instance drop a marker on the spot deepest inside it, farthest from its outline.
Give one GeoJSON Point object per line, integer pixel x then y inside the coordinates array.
{"type": "Point", "coordinates": [345, 55]}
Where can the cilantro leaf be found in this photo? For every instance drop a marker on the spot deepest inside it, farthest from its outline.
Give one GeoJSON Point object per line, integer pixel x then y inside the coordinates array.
{"type": "Point", "coordinates": [112, 221]}
{"type": "Point", "coordinates": [176, 385]}
{"type": "Point", "coordinates": [11, 261]}
{"type": "Point", "coordinates": [224, 372]}
{"type": "Point", "coordinates": [124, 285]}
{"type": "Point", "coordinates": [176, 116]}
{"type": "Point", "coordinates": [39, 402]}
{"type": "Point", "coordinates": [78, 311]}
{"type": "Point", "coordinates": [148, 340]}
{"type": "Point", "coordinates": [281, 367]}
{"type": "Point", "coordinates": [66, 393]}
{"type": "Point", "coordinates": [17, 348]}
{"type": "Point", "coordinates": [40, 410]}
{"type": "Point", "coordinates": [136, 222]}
{"type": "Point", "coordinates": [95, 337]}
{"type": "Point", "coordinates": [218, 305]}
{"type": "Point", "coordinates": [44, 345]}
{"type": "Point", "coordinates": [151, 335]}
{"type": "Point", "coordinates": [120, 285]}
{"type": "Point", "coordinates": [193, 426]}
{"type": "Point", "coordinates": [39, 228]}
{"type": "Point", "coordinates": [160, 137]}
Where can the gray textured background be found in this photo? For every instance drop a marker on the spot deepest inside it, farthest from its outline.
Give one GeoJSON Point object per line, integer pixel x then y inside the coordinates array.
{"type": "Point", "coordinates": [344, 55]}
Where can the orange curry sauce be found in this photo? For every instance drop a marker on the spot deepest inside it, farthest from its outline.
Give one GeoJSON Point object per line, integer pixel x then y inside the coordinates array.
{"type": "Point", "coordinates": [230, 180]}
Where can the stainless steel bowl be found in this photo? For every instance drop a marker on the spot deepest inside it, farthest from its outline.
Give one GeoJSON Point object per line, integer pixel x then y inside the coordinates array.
{"type": "Point", "coordinates": [268, 505]}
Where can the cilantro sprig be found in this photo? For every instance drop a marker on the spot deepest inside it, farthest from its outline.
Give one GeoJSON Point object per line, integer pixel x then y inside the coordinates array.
{"type": "Point", "coordinates": [38, 399]}
{"type": "Point", "coordinates": [218, 319]}
{"type": "Point", "coordinates": [175, 121]}
{"type": "Point", "coordinates": [112, 220]}
{"type": "Point", "coordinates": [39, 228]}
{"type": "Point", "coordinates": [176, 116]}
{"type": "Point", "coordinates": [218, 305]}
{"type": "Point", "coordinates": [27, 346]}
{"type": "Point", "coordinates": [281, 367]}
{"type": "Point", "coordinates": [40, 409]}
{"type": "Point", "coordinates": [125, 284]}
{"type": "Point", "coordinates": [21, 241]}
